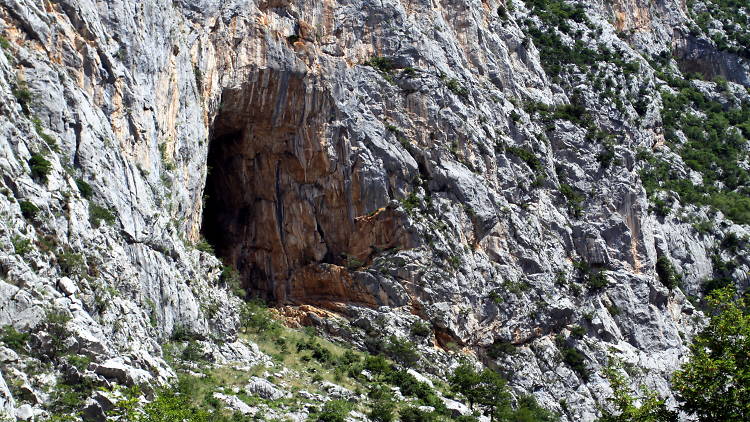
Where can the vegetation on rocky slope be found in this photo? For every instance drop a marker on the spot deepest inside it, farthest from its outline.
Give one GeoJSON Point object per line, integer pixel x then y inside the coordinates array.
{"type": "Point", "coordinates": [726, 22]}
{"type": "Point", "coordinates": [325, 380]}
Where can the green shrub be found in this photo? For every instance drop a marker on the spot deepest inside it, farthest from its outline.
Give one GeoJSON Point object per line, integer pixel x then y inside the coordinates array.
{"type": "Point", "coordinates": [349, 358]}
{"type": "Point", "coordinates": [732, 243]}
{"type": "Point", "coordinates": [383, 64]}
{"type": "Point", "coordinates": [353, 263]}
{"type": "Point", "coordinates": [703, 227]}
{"type": "Point", "coordinates": [56, 326]}
{"type": "Point", "coordinates": [69, 396]}
{"type": "Point", "coordinates": [21, 245]}
{"type": "Point", "coordinates": [575, 360]}
{"type": "Point", "coordinates": [402, 351]}
{"type": "Point", "coordinates": [613, 310]}
{"type": "Point", "coordinates": [28, 210]}
{"type": "Point", "coordinates": [502, 13]}
{"type": "Point", "coordinates": [597, 279]}
{"type": "Point", "coordinates": [414, 414]}
{"type": "Point", "coordinates": [527, 157]}
{"type": "Point", "coordinates": [204, 246]}
{"type": "Point", "coordinates": [99, 214]}
{"type": "Point", "coordinates": [607, 155]}
{"type": "Point", "coordinates": [455, 261]}
{"type": "Point", "coordinates": [420, 329]}
{"type": "Point", "coordinates": [81, 362]}
{"type": "Point", "coordinates": [467, 418]}
{"type": "Point", "coordinates": [255, 316]}
{"type": "Point", "coordinates": [577, 332]}
{"type": "Point", "coordinates": [334, 411]}
{"type": "Point", "coordinates": [383, 406]}
{"type": "Point", "coordinates": [49, 140]}
{"type": "Point", "coordinates": [378, 365]}
{"type": "Point", "coordinates": [40, 166]}
{"type": "Point", "coordinates": [574, 198]}
{"type": "Point", "coordinates": [594, 278]}
{"type": "Point", "coordinates": [193, 351]}
{"type": "Point", "coordinates": [667, 273]}
{"type": "Point", "coordinates": [411, 387]}
{"type": "Point", "coordinates": [318, 352]}
{"type": "Point", "coordinates": [455, 86]}
{"type": "Point", "coordinates": [411, 202]}
{"type": "Point", "coordinates": [723, 274]}
{"type": "Point", "coordinates": [71, 263]}
{"type": "Point", "coordinates": [528, 410]}
{"type": "Point", "coordinates": [495, 297]}
{"type": "Point", "coordinates": [500, 348]}
{"type": "Point", "coordinates": [182, 333]}
{"type": "Point", "coordinates": [23, 96]}
{"type": "Point", "coordinates": [486, 388]}
{"type": "Point", "coordinates": [84, 188]}
{"type": "Point", "coordinates": [231, 279]}
{"type": "Point", "coordinates": [661, 207]}
{"type": "Point", "coordinates": [13, 339]}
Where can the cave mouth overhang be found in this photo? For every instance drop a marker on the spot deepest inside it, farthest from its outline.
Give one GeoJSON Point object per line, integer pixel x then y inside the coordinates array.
{"type": "Point", "coordinates": [279, 203]}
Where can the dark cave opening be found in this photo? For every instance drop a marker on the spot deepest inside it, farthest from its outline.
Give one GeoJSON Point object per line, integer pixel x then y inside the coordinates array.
{"type": "Point", "coordinates": [273, 201]}
{"type": "Point", "coordinates": [280, 193]}
{"type": "Point", "coordinates": [224, 216]}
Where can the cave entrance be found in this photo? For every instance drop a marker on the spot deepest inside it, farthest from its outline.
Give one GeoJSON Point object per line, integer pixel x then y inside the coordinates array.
{"type": "Point", "coordinates": [276, 198]}
{"type": "Point", "coordinates": [227, 213]}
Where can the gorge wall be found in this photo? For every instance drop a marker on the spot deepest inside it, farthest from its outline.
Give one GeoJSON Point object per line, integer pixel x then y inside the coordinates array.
{"type": "Point", "coordinates": [357, 162]}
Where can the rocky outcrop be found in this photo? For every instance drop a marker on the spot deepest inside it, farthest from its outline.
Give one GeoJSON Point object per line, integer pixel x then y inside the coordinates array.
{"type": "Point", "coordinates": [699, 55]}
{"type": "Point", "coordinates": [7, 403]}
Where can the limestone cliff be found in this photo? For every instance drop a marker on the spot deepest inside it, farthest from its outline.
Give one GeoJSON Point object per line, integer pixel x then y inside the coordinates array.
{"type": "Point", "coordinates": [490, 168]}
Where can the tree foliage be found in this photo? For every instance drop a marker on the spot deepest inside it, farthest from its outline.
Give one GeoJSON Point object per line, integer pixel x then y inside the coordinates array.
{"type": "Point", "coordinates": [490, 391]}
{"type": "Point", "coordinates": [626, 408]}
{"type": "Point", "coordinates": [714, 384]}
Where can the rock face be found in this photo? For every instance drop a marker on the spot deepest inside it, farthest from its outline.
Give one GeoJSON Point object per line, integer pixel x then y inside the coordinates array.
{"type": "Point", "coordinates": [7, 404]}
{"type": "Point", "coordinates": [376, 160]}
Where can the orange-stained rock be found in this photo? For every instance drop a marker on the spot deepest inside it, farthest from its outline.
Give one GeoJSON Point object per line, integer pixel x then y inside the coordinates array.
{"type": "Point", "coordinates": [301, 316]}
{"type": "Point", "coordinates": [385, 229]}
{"type": "Point", "coordinates": [280, 198]}
{"type": "Point", "coordinates": [632, 15]}
{"type": "Point", "coordinates": [325, 284]}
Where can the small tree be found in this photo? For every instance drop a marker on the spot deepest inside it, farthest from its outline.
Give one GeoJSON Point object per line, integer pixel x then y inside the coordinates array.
{"type": "Point", "coordinates": [402, 351]}
{"type": "Point", "coordinates": [383, 406]}
{"type": "Point", "coordinates": [486, 388]}
{"type": "Point", "coordinates": [494, 393]}
{"type": "Point", "coordinates": [652, 408]}
{"type": "Point", "coordinates": [714, 384]}
{"type": "Point", "coordinates": [465, 380]}
{"type": "Point", "coordinates": [528, 410]}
